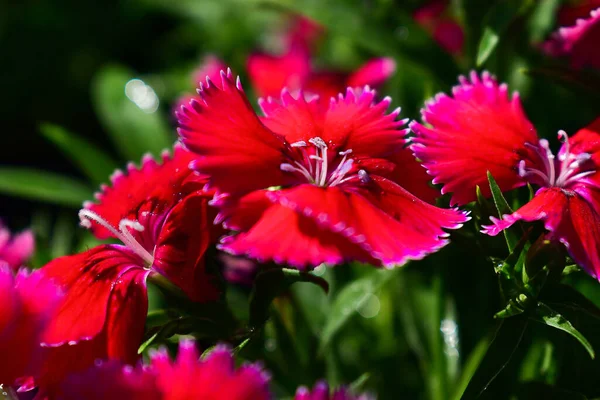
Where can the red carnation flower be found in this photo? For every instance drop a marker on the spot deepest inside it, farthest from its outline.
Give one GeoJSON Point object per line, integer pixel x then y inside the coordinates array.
{"type": "Point", "coordinates": [480, 129]}
{"type": "Point", "coordinates": [309, 183]}
{"type": "Point", "coordinates": [160, 214]}
{"type": "Point", "coordinates": [28, 304]}
{"type": "Point", "coordinates": [214, 377]}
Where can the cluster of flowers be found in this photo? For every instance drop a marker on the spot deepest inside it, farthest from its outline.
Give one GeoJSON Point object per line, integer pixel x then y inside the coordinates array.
{"type": "Point", "coordinates": [314, 179]}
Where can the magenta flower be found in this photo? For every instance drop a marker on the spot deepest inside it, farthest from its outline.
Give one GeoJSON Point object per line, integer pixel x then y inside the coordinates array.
{"type": "Point", "coordinates": [308, 183]}
{"type": "Point", "coordinates": [480, 129]}
{"type": "Point", "coordinates": [15, 249]}
{"type": "Point", "coordinates": [214, 377]}
{"type": "Point", "coordinates": [29, 301]}
{"type": "Point", "coordinates": [578, 42]}
{"type": "Point", "coordinates": [321, 392]}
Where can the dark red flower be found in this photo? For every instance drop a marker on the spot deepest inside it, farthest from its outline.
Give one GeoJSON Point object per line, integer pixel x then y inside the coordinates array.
{"type": "Point", "coordinates": [214, 377]}
{"type": "Point", "coordinates": [481, 130]}
{"type": "Point", "coordinates": [160, 214]}
{"type": "Point", "coordinates": [578, 42]}
{"type": "Point", "coordinates": [309, 183]}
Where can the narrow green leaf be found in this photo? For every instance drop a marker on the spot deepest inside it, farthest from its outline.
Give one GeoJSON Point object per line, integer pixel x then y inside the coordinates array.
{"type": "Point", "coordinates": [148, 342]}
{"type": "Point", "coordinates": [349, 300]}
{"type": "Point", "coordinates": [43, 186]}
{"type": "Point", "coordinates": [92, 161]}
{"type": "Point", "coordinates": [133, 130]}
{"type": "Point", "coordinates": [269, 284]}
{"type": "Point", "coordinates": [471, 365]}
{"type": "Point", "coordinates": [503, 346]}
{"type": "Point", "coordinates": [489, 41]}
{"type": "Point", "coordinates": [497, 20]}
{"type": "Point", "coordinates": [514, 233]}
{"type": "Point", "coordinates": [552, 318]}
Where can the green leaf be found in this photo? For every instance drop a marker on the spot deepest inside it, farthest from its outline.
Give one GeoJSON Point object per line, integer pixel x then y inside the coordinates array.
{"type": "Point", "coordinates": [514, 233]}
{"type": "Point", "coordinates": [43, 186]}
{"type": "Point", "coordinates": [552, 318]}
{"type": "Point", "coordinates": [349, 299]}
{"type": "Point", "coordinates": [94, 163]}
{"type": "Point", "coordinates": [507, 339]}
{"type": "Point", "coordinates": [542, 19]}
{"type": "Point", "coordinates": [497, 20]}
{"type": "Point", "coordinates": [471, 365]}
{"type": "Point", "coordinates": [269, 284]}
{"type": "Point", "coordinates": [133, 131]}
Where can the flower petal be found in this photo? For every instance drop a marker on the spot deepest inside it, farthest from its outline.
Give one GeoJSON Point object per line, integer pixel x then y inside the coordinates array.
{"type": "Point", "coordinates": [16, 250]}
{"type": "Point", "coordinates": [122, 322]}
{"type": "Point", "coordinates": [587, 140]}
{"type": "Point", "coordinates": [213, 377]}
{"type": "Point", "coordinates": [294, 117]}
{"type": "Point", "coordinates": [237, 151]}
{"type": "Point", "coordinates": [164, 183]}
{"type": "Point", "coordinates": [410, 175]}
{"type": "Point", "coordinates": [393, 227]}
{"type": "Point", "coordinates": [479, 129]}
{"type": "Point", "coordinates": [111, 380]}
{"type": "Point", "coordinates": [28, 304]}
{"type": "Point", "coordinates": [181, 247]}
{"type": "Point", "coordinates": [373, 73]}
{"type": "Point", "coordinates": [287, 236]}
{"type": "Point", "coordinates": [270, 74]}
{"type": "Point", "coordinates": [569, 218]}
{"type": "Point", "coordinates": [88, 279]}
{"type": "Point", "coordinates": [356, 121]}
{"type": "Point", "coordinates": [578, 42]}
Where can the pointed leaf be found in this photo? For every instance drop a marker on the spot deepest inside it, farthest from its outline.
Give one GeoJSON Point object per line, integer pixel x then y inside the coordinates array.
{"type": "Point", "coordinates": [504, 344]}
{"type": "Point", "coordinates": [43, 186]}
{"type": "Point", "coordinates": [133, 130]}
{"type": "Point", "coordinates": [515, 232]}
{"type": "Point", "coordinates": [269, 284]}
{"type": "Point", "coordinates": [552, 318]}
{"type": "Point", "coordinates": [496, 22]}
{"type": "Point", "coordinates": [93, 162]}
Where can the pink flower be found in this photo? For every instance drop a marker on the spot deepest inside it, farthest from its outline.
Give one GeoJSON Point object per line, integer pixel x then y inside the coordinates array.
{"type": "Point", "coordinates": [28, 304]}
{"type": "Point", "coordinates": [214, 377]}
{"type": "Point", "coordinates": [578, 42]}
{"type": "Point", "coordinates": [17, 249]}
{"type": "Point", "coordinates": [293, 69]}
{"type": "Point", "coordinates": [433, 18]}
{"type": "Point", "coordinates": [309, 183]}
{"type": "Point", "coordinates": [321, 392]}
{"type": "Point", "coordinates": [481, 129]}
{"type": "Point", "coordinates": [163, 222]}
{"type": "Point", "coordinates": [573, 10]}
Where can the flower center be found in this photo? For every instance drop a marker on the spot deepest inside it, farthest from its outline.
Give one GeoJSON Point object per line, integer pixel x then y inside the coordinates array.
{"type": "Point", "coordinates": [567, 170]}
{"type": "Point", "coordinates": [314, 164]}
{"type": "Point", "coordinates": [123, 234]}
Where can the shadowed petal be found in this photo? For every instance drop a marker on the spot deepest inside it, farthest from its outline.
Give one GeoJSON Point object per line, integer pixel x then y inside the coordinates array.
{"type": "Point", "coordinates": [373, 73]}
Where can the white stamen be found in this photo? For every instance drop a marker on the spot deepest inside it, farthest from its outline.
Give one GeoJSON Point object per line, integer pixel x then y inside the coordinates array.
{"type": "Point", "coordinates": [300, 143]}
{"type": "Point", "coordinates": [568, 170]}
{"type": "Point", "coordinates": [123, 234]}
{"type": "Point", "coordinates": [364, 176]}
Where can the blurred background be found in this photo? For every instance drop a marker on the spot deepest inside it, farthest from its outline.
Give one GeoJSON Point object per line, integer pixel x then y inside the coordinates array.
{"type": "Point", "coordinates": [90, 86]}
